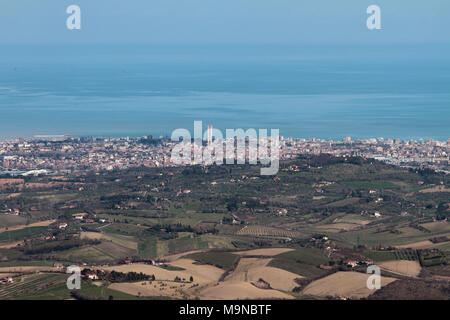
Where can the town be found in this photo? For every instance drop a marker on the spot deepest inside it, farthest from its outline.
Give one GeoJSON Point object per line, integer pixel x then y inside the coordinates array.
{"type": "Point", "coordinates": [65, 154]}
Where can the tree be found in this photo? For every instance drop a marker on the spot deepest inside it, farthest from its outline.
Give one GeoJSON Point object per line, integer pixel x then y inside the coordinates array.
{"type": "Point", "coordinates": [232, 204]}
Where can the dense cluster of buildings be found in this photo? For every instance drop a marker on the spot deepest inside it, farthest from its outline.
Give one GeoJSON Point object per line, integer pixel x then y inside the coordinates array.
{"type": "Point", "coordinates": [40, 156]}
{"type": "Point", "coordinates": [414, 153]}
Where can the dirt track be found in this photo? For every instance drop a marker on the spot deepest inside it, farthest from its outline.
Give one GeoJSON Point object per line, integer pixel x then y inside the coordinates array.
{"type": "Point", "coordinates": [23, 226]}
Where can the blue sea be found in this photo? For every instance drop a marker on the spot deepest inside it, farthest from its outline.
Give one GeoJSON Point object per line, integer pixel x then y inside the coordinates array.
{"type": "Point", "coordinates": [322, 91]}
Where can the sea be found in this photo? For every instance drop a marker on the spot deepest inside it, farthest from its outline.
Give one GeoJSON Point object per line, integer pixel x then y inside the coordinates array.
{"type": "Point", "coordinates": [321, 91]}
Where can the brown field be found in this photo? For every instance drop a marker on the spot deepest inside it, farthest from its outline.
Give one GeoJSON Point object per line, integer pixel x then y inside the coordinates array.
{"type": "Point", "coordinates": [336, 227]}
{"type": "Point", "coordinates": [97, 283]}
{"type": "Point", "coordinates": [153, 288]}
{"type": "Point", "coordinates": [19, 269]}
{"type": "Point", "coordinates": [173, 257]}
{"type": "Point", "coordinates": [422, 245]}
{"type": "Point", "coordinates": [10, 245]}
{"type": "Point", "coordinates": [8, 220]}
{"type": "Point", "coordinates": [121, 240]}
{"type": "Point", "coordinates": [240, 290]}
{"type": "Point", "coordinates": [5, 183]}
{"type": "Point", "coordinates": [206, 283]}
{"type": "Point", "coordinates": [43, 185]}
{"type": "Point", "coordinates": [352, 219]}
{"type": "Point", "coordinates": [253, 269]}
{"type": "Point", "coordinates": [13, 195]}
{"type": "Point", "coordinates": [21, 184]}
{"type": "Point", "coordinates": [92, 235]}
{"type": "Point", "coordinates": [402, 267]}
{"type": "Point", "coordinates": [36, 224]}
{"type": "Point", "coordinates": [263, 252]}
{"type": "Point", "coordinates": [435, 189]}
{"type": "Point", "coordinates": [410, 232]}
{"type": "Point", "coordinates": [202, 274]}
{"type": "Point", "coordinates": [348, 284]}
{"type": "Point", "coordinates": [417, 245]}
{"type": "Point", "coordinates": [114, 250]}
{"type": "Point", "coordinates": [437, 226]}
{"type": "Point", "coordinates": [200, 271]}
{"type": "Point", "coordinates": [413, 289]}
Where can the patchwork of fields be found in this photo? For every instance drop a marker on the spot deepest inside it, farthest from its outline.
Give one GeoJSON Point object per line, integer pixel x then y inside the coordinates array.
{"type": "Point", "coordinates": [237, 234]}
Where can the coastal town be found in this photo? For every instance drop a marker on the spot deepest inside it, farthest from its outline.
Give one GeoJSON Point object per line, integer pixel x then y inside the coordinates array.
{"type": "Point", "coordinates": [65, 154]}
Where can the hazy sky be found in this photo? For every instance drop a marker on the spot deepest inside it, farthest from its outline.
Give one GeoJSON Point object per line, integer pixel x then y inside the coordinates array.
{"type": "Point", "coordinates": [224, 21]}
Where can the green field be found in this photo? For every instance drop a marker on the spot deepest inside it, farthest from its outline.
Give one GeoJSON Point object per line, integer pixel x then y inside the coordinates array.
{"type": "Point", "coordinates": [366, 185]}
{"type": "Point", "coordinates": [223, 260]}
{"type": "Point", "coordinates": [302, 261]}
{"type": "Point", "coordinates": [16, 235]}
{"type": "Point", "coordinates": [379, 256]}
{"type": "Point", "coordinates": [147, 248]}
{"type": "Point", "coordinates": [86, 254]}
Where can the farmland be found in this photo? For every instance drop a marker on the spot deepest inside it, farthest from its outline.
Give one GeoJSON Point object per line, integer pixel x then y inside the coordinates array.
{"type": "Point", "coordinates": [347, 284]}
{"type": "Point", "coordinates": [261, 231]}
{"type": "Point", "coordinates": [28, 284]}
{"type": "Point", "coordinates": [403, 267]}
{"type": "Point", "coordinates": [228, 227]}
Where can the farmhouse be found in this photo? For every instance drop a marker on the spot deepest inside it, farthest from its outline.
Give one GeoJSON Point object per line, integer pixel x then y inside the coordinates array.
{"type": "Point", "coordinates": [92, 276]}
{"type": "Point", "coordinates": [58, 266]}
{"type": "Point", "coordinates": [352, 263]}
{"type": "Point", "coordinates": [282, 212]}
{"type": "Point", "coordinates": [79, 216]}
{"type": "Point", "coordinates": [62, 225]}
{"type": "Point", "coordinates": [155, 262]}
{"type": "Point", "coordinates": [7, 280]}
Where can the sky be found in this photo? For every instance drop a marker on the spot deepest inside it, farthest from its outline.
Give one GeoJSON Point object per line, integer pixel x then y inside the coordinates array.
{"type": "Point", "coordinates": [224, 21]}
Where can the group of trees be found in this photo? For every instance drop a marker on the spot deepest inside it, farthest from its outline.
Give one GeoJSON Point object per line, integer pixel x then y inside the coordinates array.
{"type": "Point", "coordinates": [116, 276]}
{"type": "Point", "coordinates": [178, 279]}
{"type": "Point", "coordinates": [80, 296]}
{"type": "Point", "coordinates": [442, 211]}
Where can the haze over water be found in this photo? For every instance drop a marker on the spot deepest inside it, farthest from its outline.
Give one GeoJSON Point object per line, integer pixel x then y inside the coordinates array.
{"type": "Point", "coordinates": [323, 91]}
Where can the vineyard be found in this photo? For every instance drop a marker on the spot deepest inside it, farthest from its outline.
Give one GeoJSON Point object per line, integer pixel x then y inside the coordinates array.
{"type": "Point", "coordinates": [406, 254]}
{"type": "Point", "coordinates": [28, 284]}
{"type": "Point", "coordinates": [432, 257]}
{"type": "Point", "coordinates": [262, 231]}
